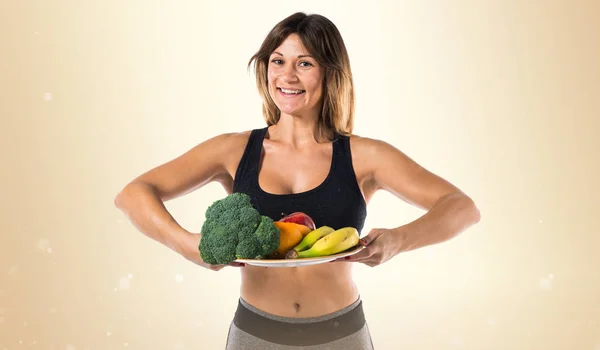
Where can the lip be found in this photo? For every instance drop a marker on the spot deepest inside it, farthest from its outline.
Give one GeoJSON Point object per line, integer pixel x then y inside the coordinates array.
{"type": "Point", "coordinates": [289, 88]}
{"type": "Point", "coordinates": [290, 95]}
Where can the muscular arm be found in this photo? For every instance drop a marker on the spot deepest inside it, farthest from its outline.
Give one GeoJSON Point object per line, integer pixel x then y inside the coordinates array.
{"type": "Point", "coordinates": [449, 211]}
{"type": "Point", "coordinates": [142, 200]}
{"type": "Point", "coordinates": [142, 204]}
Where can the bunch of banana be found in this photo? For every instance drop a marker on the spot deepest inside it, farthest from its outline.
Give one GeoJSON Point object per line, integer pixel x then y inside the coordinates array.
{"type": "Point", "coordinates": [324, 241]}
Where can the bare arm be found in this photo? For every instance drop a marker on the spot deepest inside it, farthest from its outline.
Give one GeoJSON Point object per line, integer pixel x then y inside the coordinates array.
{"type": "Point", "coordinates": [142, 205]}
{"type": "Point", "coordinates": [449, 210]}
{"type": "Point", "coordinates": [142, 200]}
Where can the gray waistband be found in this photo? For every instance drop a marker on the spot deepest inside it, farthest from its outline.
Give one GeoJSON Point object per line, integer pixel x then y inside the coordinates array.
{"type": "Point", "coordinates": [304, 319]}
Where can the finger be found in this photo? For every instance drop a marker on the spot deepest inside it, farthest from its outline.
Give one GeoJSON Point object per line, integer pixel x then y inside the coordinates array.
{"type": "Point", "coordinates": [215, 267]}
{"type": "Point", "coordinates": [369, 238]}
{"type": "Point", "coordinates": [356, 258]}
{"type": "Point", "coordinates": [342, 259]}
{"type": "Point", "coordinates": [362, 255]}
{"type": "Point", "coordinates": [236, 264]}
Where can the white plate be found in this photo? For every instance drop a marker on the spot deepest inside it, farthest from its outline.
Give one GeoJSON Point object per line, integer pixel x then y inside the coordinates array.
{"type": "Point", "coordinates": [298, 261]}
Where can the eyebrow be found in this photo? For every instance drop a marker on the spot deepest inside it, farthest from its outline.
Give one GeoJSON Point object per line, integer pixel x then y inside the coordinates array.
{"type": "Point", "coordinates": [300, 56]}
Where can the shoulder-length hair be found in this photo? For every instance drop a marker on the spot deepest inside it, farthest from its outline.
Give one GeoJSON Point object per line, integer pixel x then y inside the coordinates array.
{"type": "Point", "coordinates": [324, 42]}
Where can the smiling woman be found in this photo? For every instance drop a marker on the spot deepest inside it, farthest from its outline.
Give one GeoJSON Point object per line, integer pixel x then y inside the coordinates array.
{"type": "Point", "coordinates": [305, 55]}
{"type": "Point", "coordinates": [304, 77]}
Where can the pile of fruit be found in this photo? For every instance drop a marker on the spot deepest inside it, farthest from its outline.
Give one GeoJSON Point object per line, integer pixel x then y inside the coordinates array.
{"type": "Point", "coordinates": [234, 229]}
{"type": "Point", "coordinates": [299, 238]}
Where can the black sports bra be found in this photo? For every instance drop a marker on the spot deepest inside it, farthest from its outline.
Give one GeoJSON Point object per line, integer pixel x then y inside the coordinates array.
{"type": "Point", "coordinates": [337, 202]}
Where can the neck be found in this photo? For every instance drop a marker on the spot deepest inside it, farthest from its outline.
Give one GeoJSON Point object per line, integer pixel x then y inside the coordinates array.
{"type": "Point", "coordinates": [296, 131]}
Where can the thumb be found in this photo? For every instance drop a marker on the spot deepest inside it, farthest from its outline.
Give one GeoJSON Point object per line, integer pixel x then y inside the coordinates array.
{"type": "Point", "coordinates": [369, 238]}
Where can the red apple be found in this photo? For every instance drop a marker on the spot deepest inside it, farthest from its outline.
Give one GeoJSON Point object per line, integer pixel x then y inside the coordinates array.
{"type": "Point", "coordinates": [299, 218]}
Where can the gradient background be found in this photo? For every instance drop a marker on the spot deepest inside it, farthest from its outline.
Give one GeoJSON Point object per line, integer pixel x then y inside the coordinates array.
{"type": "Point", "coordinates": [499, 97]}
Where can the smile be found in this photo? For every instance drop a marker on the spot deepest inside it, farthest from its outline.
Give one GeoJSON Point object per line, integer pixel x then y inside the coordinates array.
{"type": "Point", "coordinates": [290, 92]}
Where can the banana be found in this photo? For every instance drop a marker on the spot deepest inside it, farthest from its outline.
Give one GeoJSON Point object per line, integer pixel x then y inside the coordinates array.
{"type": "Point", "coordinates": [332, 243]}
{"type": "Point", "coordinates": [312, 237]}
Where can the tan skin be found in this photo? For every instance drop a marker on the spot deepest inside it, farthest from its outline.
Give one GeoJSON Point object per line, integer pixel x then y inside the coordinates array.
{"type": "Point", "coordinates": [311, 290]}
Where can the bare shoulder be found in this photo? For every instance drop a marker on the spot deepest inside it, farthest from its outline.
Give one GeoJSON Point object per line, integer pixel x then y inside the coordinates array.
{"type": "Point", "coordinates": [367, 145]}
{"type": "Point", "coordinates": [226, 142]}
{"type": "Point", "coordinates": [368, 153]}
{"type": "Point", "coordinates": [233, 147]}
{"type": "Point", "coordinates": [219, 149]}
{"type": "Point", "coordinates": [209, 160]}
{"type": "Point", "coordinates": [382, 166]}
{"type": "Point", "coordinates": [226, 149]}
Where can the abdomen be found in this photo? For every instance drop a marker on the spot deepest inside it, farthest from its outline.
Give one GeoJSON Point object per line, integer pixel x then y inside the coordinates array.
{"type": "Point", "coordinates": [306, 291]}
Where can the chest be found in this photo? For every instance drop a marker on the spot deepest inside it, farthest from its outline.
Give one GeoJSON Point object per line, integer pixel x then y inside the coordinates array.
{"type": "Point", "coordinates": [291, 172]}
{"type": "Point", "coordinates": [319, 181]}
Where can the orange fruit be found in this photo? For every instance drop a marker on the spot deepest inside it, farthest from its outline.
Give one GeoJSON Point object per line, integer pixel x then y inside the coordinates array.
{"type": "Point", "coordinates": [290, 234]}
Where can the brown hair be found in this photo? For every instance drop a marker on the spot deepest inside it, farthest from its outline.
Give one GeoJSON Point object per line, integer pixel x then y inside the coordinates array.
{"type": "Point", "coordinates": [324, 42]}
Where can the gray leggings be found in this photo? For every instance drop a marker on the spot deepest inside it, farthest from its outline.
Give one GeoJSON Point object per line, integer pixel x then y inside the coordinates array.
{"type": "Point", "coordinates": [345, 329]}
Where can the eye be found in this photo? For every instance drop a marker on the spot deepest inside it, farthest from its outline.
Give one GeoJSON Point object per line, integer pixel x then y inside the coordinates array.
{"type": "Point", "coordinates": [308, 64]}
{"type": "Point", "coordinates": [277, 61]}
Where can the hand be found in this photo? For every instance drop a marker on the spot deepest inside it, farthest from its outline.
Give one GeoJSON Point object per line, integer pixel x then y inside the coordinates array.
{"type": "Point", "coordinates": [380, 245]}
{"type": "Point", "coordinates": [189, 250]}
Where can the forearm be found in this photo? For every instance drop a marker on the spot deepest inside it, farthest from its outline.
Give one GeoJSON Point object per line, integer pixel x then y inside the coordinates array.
{"type": "Point", "coordinates": [143, 207]}
{"type": "Point", "coordinates": [450, 216]}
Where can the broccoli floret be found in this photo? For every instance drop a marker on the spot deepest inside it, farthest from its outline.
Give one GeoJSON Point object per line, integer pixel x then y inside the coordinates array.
{"type": "Point", "coordinates": [228, 206]}
{"type": "Point", "coordinates": [267, 235]}
{"type": "Point", "coordinates": [206, 251]}
{"type": "Point", "coordinates": [220, 244]}
{"type": "Point", "coordinates": [234, 229]}
{"type": "Point", "coordinates": [263, 241]}
{"type": "Point", "coordinates": [246, 222]}
{"type": "Point", "coordinates": [248, 248]}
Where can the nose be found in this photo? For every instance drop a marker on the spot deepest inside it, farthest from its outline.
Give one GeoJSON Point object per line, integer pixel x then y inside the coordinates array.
{"type": "Point", "coordinates": [289, 72]}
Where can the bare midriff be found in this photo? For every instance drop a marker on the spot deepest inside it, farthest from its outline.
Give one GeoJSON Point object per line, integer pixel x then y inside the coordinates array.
{"type": "Point", "coordinates": [307, 291]}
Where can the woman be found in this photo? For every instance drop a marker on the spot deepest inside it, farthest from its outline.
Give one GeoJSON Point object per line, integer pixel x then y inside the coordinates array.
{"type": "Point", "coordinates": [306, 159]}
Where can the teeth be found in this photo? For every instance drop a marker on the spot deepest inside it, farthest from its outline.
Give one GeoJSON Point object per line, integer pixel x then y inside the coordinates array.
{"type": "Point", "coordinates": [292, 91]}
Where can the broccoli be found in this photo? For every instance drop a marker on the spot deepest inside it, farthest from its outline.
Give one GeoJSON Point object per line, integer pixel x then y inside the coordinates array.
{"type": "Point", "coordinates": [234, 229]}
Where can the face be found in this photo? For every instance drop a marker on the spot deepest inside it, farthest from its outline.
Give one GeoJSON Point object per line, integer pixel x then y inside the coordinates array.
{"type": "Point", "coordinates": [295, 78]}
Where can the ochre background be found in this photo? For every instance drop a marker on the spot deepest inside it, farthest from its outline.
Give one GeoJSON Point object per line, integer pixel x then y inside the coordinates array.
{"type": "Point", "coordinates": [499, 97]}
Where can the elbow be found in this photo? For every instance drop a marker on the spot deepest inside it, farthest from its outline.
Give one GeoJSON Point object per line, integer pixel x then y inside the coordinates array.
{"type": "Point", "coordinates": [119, 199]}
{"type": "Point", "coordinates": [472, 211]}
{"type": "Point", "coordinates": [465, 208]}
{"type": "Point", "coordinates": [476, 216]}
{"type": "Point", "coordinates": [130, 193]}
